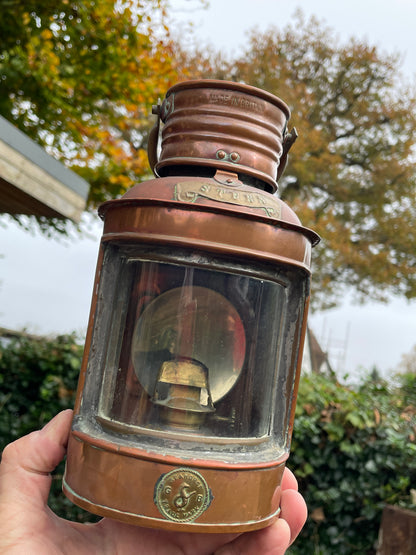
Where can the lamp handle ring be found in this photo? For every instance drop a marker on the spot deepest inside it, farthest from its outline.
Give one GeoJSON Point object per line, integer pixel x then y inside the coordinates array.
{"type": "Point", "coordinates": [153, 140]}
{"type": "Point", "coordinates": [288, 141]}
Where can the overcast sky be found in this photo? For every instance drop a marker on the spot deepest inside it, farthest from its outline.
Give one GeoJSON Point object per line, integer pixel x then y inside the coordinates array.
{"type": "Point", "coordinates": [46, 285]}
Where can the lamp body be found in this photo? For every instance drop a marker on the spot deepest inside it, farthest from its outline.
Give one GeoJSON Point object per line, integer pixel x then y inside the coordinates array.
{"type": "Point", "coordinates": [187, 392]}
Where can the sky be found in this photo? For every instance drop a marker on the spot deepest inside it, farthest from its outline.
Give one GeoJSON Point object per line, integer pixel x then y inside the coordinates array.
{"type": "Point", "coordinates": [46, 285]}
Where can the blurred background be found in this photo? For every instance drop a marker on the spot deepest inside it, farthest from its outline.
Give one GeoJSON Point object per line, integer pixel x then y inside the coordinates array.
{"type": "Point", "coordinates": [46, 278]}
{"type": "Point", "coordinates": [77, 82]}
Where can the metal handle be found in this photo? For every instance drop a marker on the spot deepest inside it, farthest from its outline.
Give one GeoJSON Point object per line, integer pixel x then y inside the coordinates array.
{"type": "Point", "coordinates": [288, 141]}
{"type": "Point", "coordinates": [154, 139]}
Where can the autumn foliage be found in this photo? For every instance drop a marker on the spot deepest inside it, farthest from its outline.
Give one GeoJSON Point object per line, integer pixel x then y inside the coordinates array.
{"type": "Point", "coordinates": [351, 173]}
{"type": "Point", "coordinates": [81, 77]}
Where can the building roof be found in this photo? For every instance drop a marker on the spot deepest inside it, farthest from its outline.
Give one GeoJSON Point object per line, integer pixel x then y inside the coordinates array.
{"type": "Point", "coordinates": [34, 183]}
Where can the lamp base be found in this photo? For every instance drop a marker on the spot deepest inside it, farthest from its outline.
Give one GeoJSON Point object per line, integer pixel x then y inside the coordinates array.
{"type": "Point", "coordinates": [187, 496]}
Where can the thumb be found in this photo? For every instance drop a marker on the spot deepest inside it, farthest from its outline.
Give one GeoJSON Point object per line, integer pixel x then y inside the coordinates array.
{"type": "Point", "coordinates": [273, 540]}
{"type": "Point", "coordinates": [27, 462]}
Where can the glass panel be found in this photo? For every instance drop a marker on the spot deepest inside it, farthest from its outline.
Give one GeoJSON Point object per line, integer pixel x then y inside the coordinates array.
{"type": "Point", "coordinates": [193, 353]}
{"type": "Point", "coordinates": [192, 350]}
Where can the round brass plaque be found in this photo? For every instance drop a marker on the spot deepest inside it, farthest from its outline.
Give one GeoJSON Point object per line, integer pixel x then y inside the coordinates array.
{"type": "Point", "coordinates": [182, 495]}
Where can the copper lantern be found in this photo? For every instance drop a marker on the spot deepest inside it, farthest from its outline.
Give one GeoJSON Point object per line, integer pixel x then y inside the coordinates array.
{"type": "Point", "coordinates": [187, 392]}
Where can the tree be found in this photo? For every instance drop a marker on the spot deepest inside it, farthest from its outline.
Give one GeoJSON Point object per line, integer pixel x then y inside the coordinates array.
{"type": "Point", "coordinates": [80, 77]}
{"type": "Point", "coordinates": [351, 173]}
{"type": "Point", "coordinates": [408, 362]}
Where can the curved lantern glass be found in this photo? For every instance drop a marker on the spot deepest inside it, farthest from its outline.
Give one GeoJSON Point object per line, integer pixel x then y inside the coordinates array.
{"type": "Point", "coordinates": [194, 352]}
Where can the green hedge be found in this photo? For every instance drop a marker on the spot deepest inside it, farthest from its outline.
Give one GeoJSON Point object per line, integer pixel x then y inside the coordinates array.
{"type": "Point", "coordinates": [38, 379]}
{"type": "Point", "coordinates": [353, 450]}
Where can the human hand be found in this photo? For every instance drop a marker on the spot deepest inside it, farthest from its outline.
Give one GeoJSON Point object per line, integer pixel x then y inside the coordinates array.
{"type": "Point", "coordinates": [29, 527]}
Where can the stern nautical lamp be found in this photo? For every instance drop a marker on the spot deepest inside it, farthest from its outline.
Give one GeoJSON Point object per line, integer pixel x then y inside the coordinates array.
{"type": "Point", "coordinates": [187, 392]}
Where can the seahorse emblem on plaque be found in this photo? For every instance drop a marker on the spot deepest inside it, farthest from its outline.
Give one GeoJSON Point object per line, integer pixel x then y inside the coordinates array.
{"type": "Point", "coordinates": [182, 495]}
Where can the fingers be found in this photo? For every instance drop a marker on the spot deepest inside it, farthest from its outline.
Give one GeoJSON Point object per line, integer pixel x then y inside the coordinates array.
{"type": "Point", "coordinates": [293, 511]}
{"type": "Point", "coordinates": [289, 481]}
{"type": "Point", "coordinates": [292, 504]}
{"type": "Point", "coordinates": [273, 540]}
{"type": "Point", "coordinates": [27, 462]}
